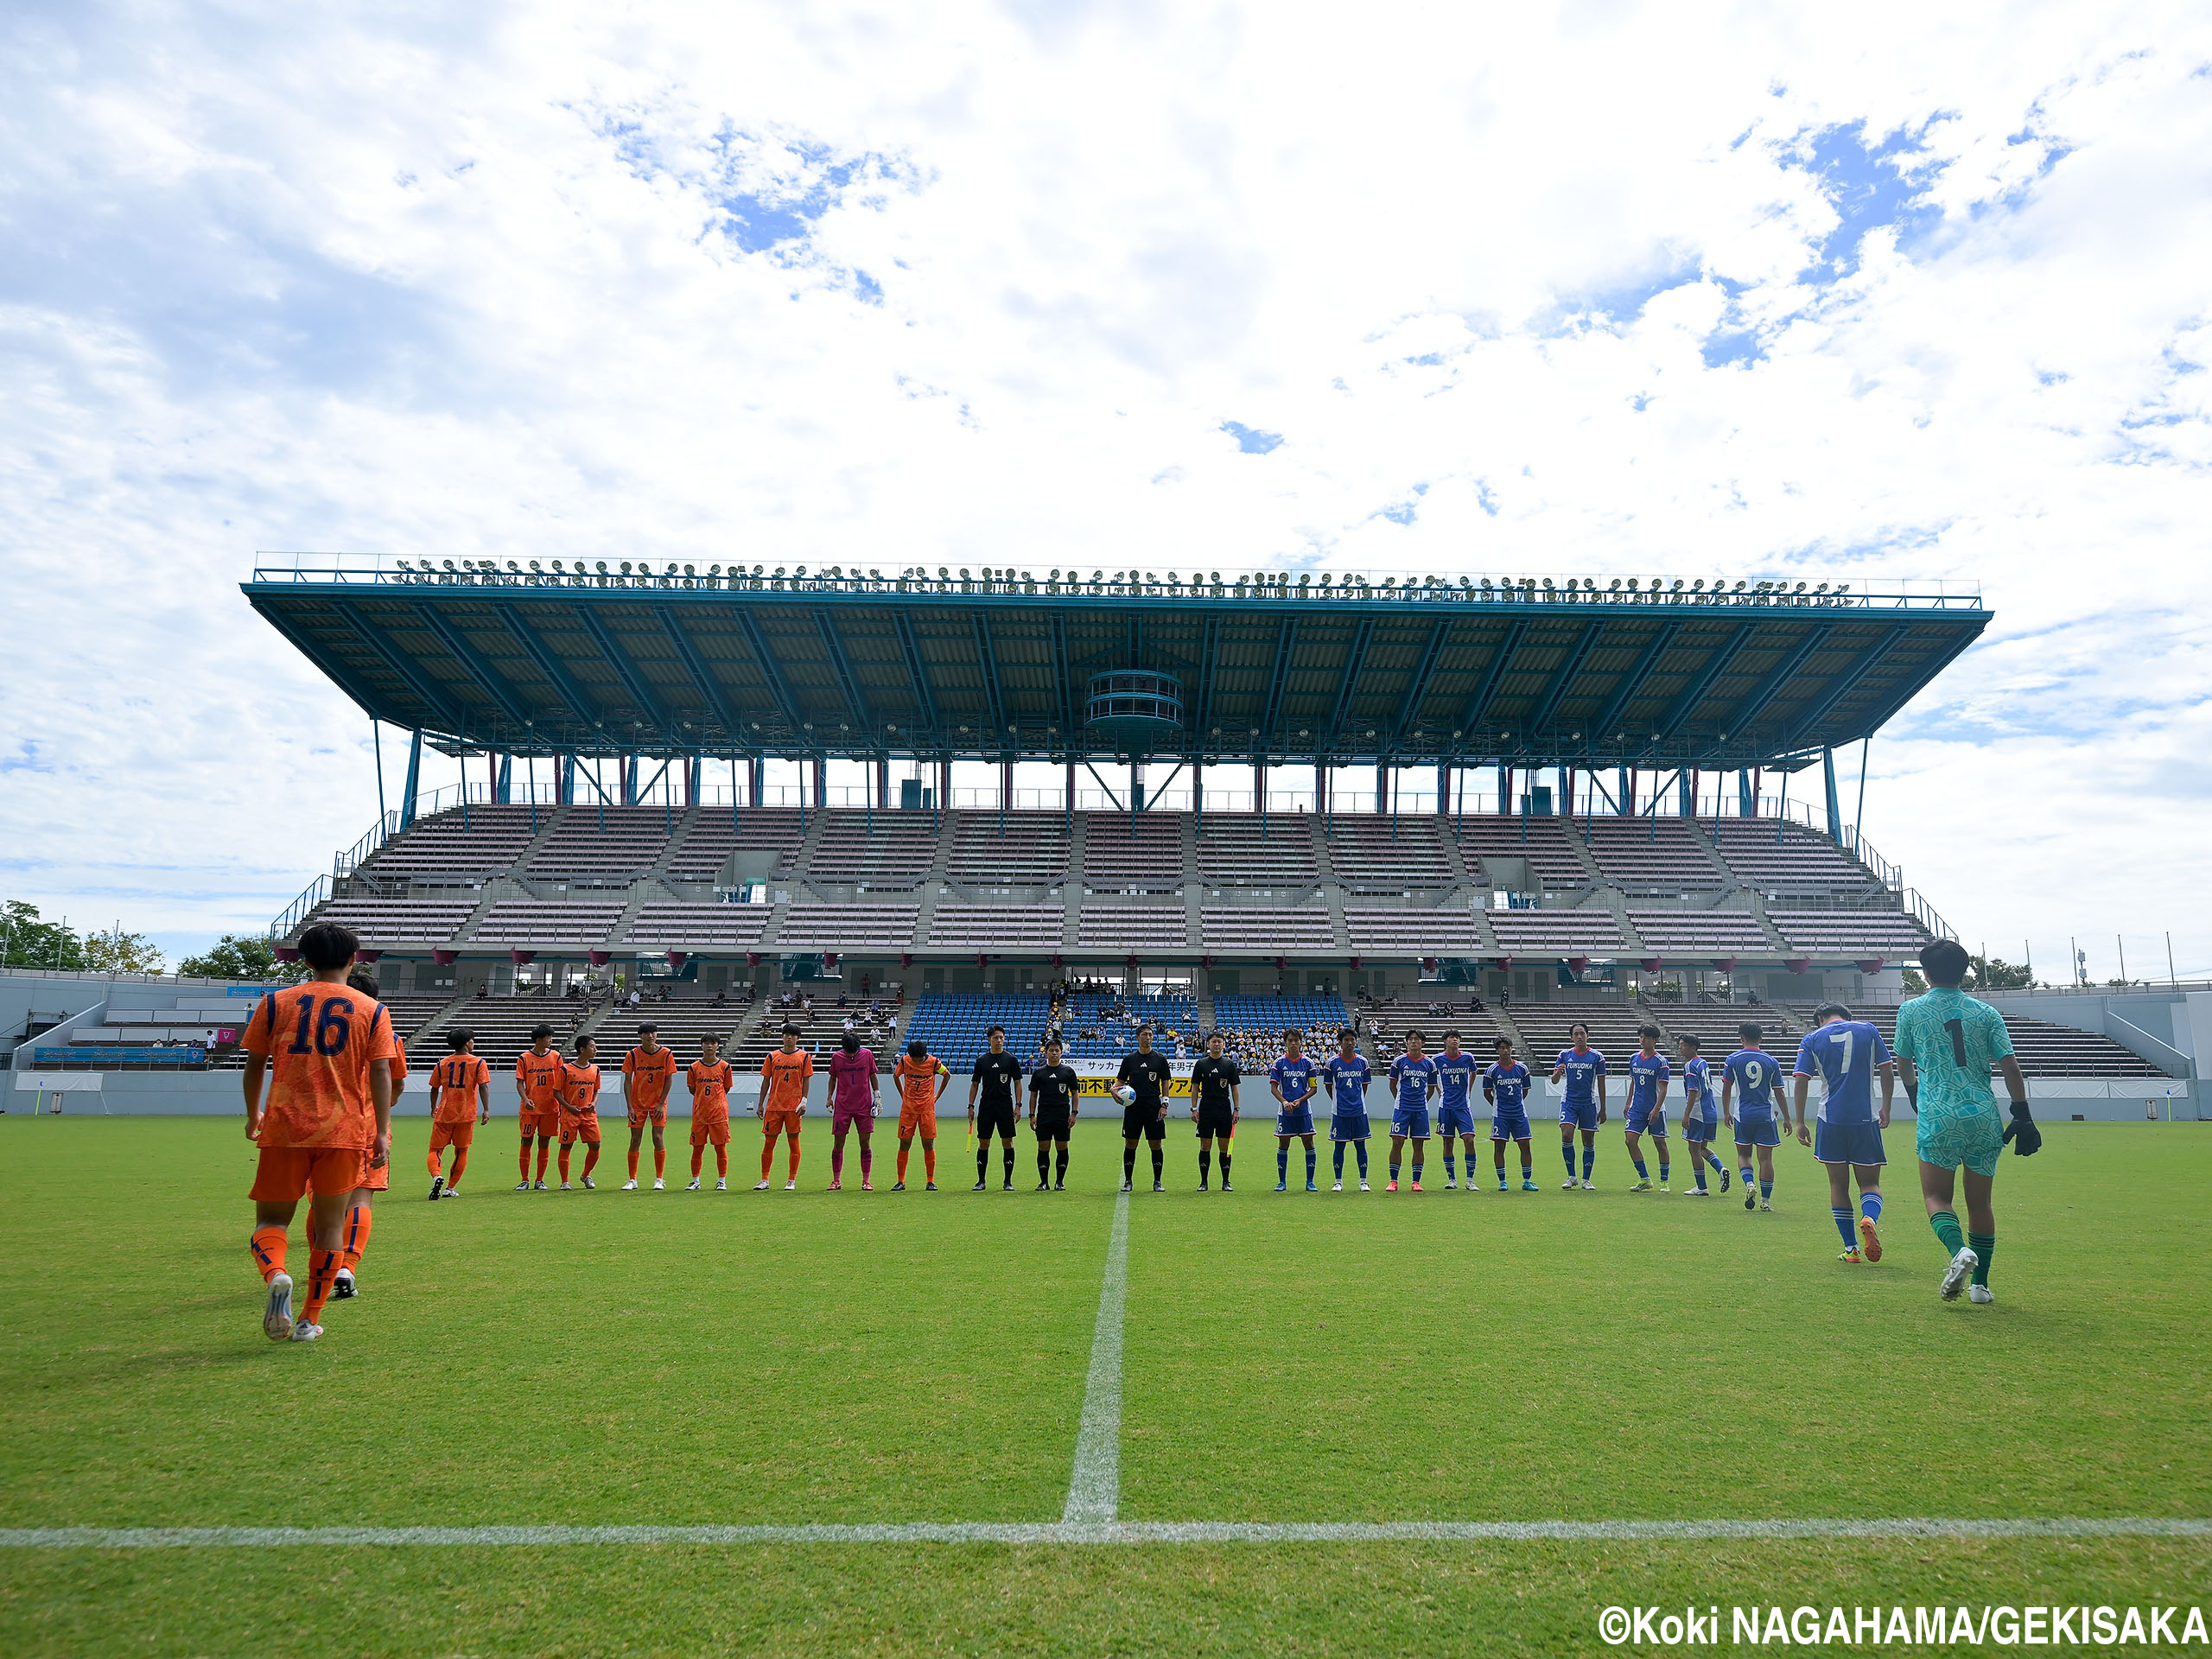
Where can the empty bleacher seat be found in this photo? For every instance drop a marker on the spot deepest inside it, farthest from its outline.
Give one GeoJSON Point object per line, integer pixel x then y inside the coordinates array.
{"type": "Point", "coordinates": [883, 849]}
{"type": "Point", "coordinates": [848, 927]}
{"type": "Point", "coordinates": [998, 927]}
{"type": "Point", "coordinates": [1544, 844]}
{"type": "Point", "coordinates": [1240, 849]}
{"type": "Point", "coordinates": [1651, 855]}
{"type": "Point", "coordinates": [1139, 854]}
{"type": "Point", "coordinates": [1252, 927]}
{"type": "Point", "coordinates": [698, 927]}
{"type": "Point", "coordinates": [1771, 853]}
{"type": "Point", "coordinates": [381, 922]}
{"type": "Point", "coordinates": [444, 847]}
{"type": "Point", "coordinates": [1132, 927]}
{"type": "Point", "coordinates": [1442, 931]}
{"type": "Point", "coordinates": [1009, 849]}
{"type": "Point", "coordinates": [1556, 933]}
{"type": "Point", "coordinates": [604, 844]}
{"type": "Point", "coordinates": [541, 923]}
{"type": "Point", "coordinates": [1373, 854]}
{"type": "Point", "coordinates": [707, 846]}
{"type": "Point", "coordinates": [1888, 934]}
{"type": "Point", "coordinates": [1701, 932]}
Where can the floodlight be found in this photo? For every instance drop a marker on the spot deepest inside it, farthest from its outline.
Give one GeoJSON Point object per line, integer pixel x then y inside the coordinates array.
{"type": "Point", "coordinates": [1698, 586]}
{"type": "Point", "coordinates": [448, 564]}
{"type": "Point", "coordinates": [1741, 586]}
{"type": "Point", "coordinates": [1841, 586]}
{"type": "Point", "coordinates": [1617, 583]}
{"type": "Point", "coordinates": [1801, 587]}
{"type": "Point", "coordinates": [1678, 584]}
{"type": "Point", "coordinates": [963, 573]}
{"type": "Point", "coordinates": [1306, 581]}
{"type": "Point", "coordinates": [603, 567]}
{"type": "Point", "coordinates": [688, 570]}
{"type": "Point", "coordinates": [1548, 584]}
{"type": "Point", "coordinates": [714, 570]}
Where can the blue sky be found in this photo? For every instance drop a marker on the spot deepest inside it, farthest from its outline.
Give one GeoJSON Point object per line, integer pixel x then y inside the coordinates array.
{"type": "Point", "coordinates": [1835, 297]}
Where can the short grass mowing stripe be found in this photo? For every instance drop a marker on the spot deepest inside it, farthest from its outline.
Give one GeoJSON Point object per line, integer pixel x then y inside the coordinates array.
{"type": "Point", "coordinates": [1107, 1532]}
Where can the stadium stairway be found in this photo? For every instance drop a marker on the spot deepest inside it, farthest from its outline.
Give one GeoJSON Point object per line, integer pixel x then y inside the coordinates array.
{"type": "Point", "coordinates": [1203, 998]}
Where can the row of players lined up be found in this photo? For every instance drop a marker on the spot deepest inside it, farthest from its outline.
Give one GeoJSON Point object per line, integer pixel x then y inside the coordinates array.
{"type": "Point", "coordinates": [333, 1067]}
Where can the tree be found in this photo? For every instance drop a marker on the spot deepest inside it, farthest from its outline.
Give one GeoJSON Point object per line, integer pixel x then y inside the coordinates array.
{"type": "Point", "coordinates": [1914, 984]}
{"type": "Point", "coordinates": [27, 941]}
{"type": "Point", "coordinates": [1995, 974]}
{"type": "Point", "coordinates": [241, 956]}
{"type": "Point", "coordinates": [122, 953]}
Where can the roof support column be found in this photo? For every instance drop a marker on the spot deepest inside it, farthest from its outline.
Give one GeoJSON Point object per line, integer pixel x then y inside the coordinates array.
{"type": "Point", "coordinates": [756, 780]}
{"type": "Point", "coordinates": [821, 782]}
{"type": "Point", "coordinates": [414, 780]}
{"type": "Point", "coordinates": [1685, 784]}
{"type": "Point", "coordinates": [1566, 791]}
{"type": "Point", "coordinates": [502, 781]}
{"type": "Point", "coordinates": [1504, 787]}
{"type": "Point", "coordinates": [1746, 805]}
{"type": "Point", "coordinates": [1443, 789]}
{"type": "Point", "coordinates": [1835, 807]}
{"type": "Point", "coordinates": [1259, 791]}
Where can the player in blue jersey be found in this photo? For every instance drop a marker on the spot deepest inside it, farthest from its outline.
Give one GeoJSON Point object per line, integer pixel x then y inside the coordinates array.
{"type": "Point", "coordinates": [1583, 1106]}
{"type": "Point", "coordinates": [1947, 1043]}
{"type": "Point", "coordinates": [1290, 1080]}
{"type": "Point", "coordinates": [1412, 1081]}
{"type": "Point", "coordinates": [1845, 1053]}
{"type": "Point", "coordinates": [1456, 1071]}
{"type": "Point", "coordinates": [1647, 1076]}
{"type": "Point", "coordinates": [1347, 1074]}
{"type": "Point", "coordinates": [1505, 1086]}
{"type": "Point", "coordinates": [1757, 1074]}
{"type": "Point", "coordinates": [1701, 1118]}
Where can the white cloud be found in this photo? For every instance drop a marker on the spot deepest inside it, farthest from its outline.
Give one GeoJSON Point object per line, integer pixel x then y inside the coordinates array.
{"type": "Point", "coordinates": [403, 283]}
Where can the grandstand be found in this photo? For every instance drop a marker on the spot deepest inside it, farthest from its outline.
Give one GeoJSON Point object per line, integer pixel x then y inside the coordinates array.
{"type": "Point", "coordinates": [1610, 831]}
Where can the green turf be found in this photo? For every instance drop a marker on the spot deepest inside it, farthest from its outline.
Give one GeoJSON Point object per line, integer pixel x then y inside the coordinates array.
{"type": "Point", "coordinates": [612, 1357]}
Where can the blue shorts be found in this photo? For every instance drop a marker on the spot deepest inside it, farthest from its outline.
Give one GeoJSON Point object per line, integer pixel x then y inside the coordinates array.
{"type": "Point", "coordinates": [1647, 1120]}
{"type": "Point", "coordinates": [1701, 1128]}
{"type": "Point", "coordinates": [1757, 1132]}
{"type": "Point", "coordinates": [1509, 1125]}
{"type": "Point", "coordinates": [1455, 1119]}
{"type": "Point", "coordinates": [1582, 1117]}
{"type": "Point", "coordinates": [1298, 1120]}
{"type": "Point", "coordinates": [1848, 1143]}
{"type": "Point", "coordinates": [1411, 1120]}
{"type": "Point", "coordinates": [1348, 1126]}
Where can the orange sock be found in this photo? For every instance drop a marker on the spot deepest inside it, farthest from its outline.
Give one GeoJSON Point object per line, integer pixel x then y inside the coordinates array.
{"type": "Point", "coordinates": [767, 1156]}
{"type": "Point", "coordinates": [633, 1163]}
{"type": "Point", "coordinates": [902, 1162]}
{"type": "Point", "coordinates": [322, 1268]}
{"type": "Point", "coordinates": [698, 1157]}
{"type": "Point", "coordinates": [267, 1247]}
{"type": "Point", "coordinates": [430, 1164]}
{"type": "Point", "coordinates": [660, 1162]}
{"type": "Point", "coordinates": [565, 1160]}
{"type": "Point", "coordinates": [929, 1163]}
{"type": "Point", "coordinates": [523, 1160]}
{"type": "Point", "coordinates": [544, 1150]}
{"type": "Point", "coordinates": [460, 1163]}
{"type": "Point", "coordinates": [355, 1235]}
{"type": "Point", "coordinates": [591, 1158]}
{"type": "Point", "coordinates": [721, 1161]}
{"type": "Point", "coordinates": [794, 1169]}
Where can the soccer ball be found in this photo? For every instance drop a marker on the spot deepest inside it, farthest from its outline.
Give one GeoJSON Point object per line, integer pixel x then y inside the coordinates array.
{"type": "Point", "coordinates": [1126, 1095]}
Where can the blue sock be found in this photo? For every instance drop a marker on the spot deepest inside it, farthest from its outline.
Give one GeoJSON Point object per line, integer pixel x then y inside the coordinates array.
{"type": "Point", "coordinates": [1360, 1146]}
{"type": "Point", "coordinates": [1713, 1158]}
{"type": "Point", "coordinates": [1310, 1156]}
{"type": "Point", "coordinates": [1701, 1178]}
{"type": "Point", "coordinates": [1870, 1205]}
{"type": "Point", "coordinates": [1338, 1152]}
{"type": "Point", "coordinates": [1282, 1165]}
{"type": "Point", "coordinates": [1843, 1225]}
{"type": "Point", "coordinates": [1527, 1172]}
{"type": "Point", "coordinates": [1393, 1169]}
{"type": "Point", "coordinates": [1451, 1170]}
{"type": "Point", "coordinates": [1766, 1188]}
{"type": "Point", "coordinates": [1641, 1173]}
{"type": "Point", "coordinates": [1416, 1175]}
{"type": "Point", "coordinates": [1664, 1167]}
{"type": "Point", "coordinates": [1589, 1160]}
{"type": "Point", "coordinates": [1567, 1152]}
{"type": "Point", "coordinates": [1745, 1172]}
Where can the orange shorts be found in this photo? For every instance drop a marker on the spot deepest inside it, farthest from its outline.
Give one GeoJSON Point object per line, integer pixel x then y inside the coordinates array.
{"type": "Point", "coordinates": [716, 1130]}
{"type": "Point", "coordinates": [783, 1119]}
{"type": "Point", "coordinates": [545, 1123]}
{"type": "Point", "coordinates": [285, 1173]}
{"type": "Point", "coordinates": [580, 1126]}
{"type": "Point", "coordinates": [444, 1134]}
{"type": "Point", "coordinates": [639, 1116]}
{"type": "Point", "coordinates": [916, 1121]}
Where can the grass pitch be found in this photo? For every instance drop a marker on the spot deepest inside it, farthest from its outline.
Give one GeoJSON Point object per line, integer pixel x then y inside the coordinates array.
{"type": "Point", "coordinates": [674, 1358]}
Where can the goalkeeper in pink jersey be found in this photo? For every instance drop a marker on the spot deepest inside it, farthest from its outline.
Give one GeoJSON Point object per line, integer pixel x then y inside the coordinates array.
{"type": "Point", "coordinates": [852, 1107]}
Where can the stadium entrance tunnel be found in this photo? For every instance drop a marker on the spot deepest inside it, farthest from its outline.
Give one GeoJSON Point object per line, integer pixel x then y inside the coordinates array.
{"type": "Point", "coordinates": [1136, 710]}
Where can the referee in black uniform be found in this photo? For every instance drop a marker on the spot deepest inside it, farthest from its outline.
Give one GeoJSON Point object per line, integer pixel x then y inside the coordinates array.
{"type": "Point", "coordinates": [1147, 1074]}
{"type": "Point", "coordinates": [1213, 1102]}
{"type": "Point", "coordinates": [1052, 1090]}
{"type": "Point", "coordinates": [996, 1074]}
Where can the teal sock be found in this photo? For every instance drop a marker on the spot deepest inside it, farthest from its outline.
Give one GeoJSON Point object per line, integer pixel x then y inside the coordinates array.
{"type": "Point", "coordinates": [1985, 1246]}
{"type": "Point", "coordinates": [1870, 1205]}
{"type": "Point", "coordinates": [1949, 1233]}
{"type": "Point", "coordinates": [1641, 1173]}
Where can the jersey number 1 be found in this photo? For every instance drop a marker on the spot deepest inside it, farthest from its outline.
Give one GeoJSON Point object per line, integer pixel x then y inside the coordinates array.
{"type": "Point", "coordinates": [1958, 1042]}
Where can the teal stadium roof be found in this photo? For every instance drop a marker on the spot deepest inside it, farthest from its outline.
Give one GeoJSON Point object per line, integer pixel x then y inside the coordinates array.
{"type": "Point", "coordinates": [515, 658]}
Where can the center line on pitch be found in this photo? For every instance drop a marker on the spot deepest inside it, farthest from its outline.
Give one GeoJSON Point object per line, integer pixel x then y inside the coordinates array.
{"type": "Point", "coordinates": [1095, 1487]}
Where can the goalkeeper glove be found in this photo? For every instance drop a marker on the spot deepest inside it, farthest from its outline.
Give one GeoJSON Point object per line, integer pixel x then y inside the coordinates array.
{"type": "Point", "coordinates": [2027, 1139]}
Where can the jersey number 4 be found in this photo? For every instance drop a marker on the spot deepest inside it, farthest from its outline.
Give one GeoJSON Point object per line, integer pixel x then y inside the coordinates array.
{"type": "Point", "coordinates": [331, 1031]}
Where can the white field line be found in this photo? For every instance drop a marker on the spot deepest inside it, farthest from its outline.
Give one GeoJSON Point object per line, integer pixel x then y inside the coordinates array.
{"type": "Point", "coordinates": [1108, 1532]}
{"type": "Point", "coordinates": [1094, 1486]}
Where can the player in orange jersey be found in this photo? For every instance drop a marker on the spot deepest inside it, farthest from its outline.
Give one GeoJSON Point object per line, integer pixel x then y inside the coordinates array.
{"type": "Point", "coordinates": [579, 1109]}
{"type": "Point", "coordinates": [784, 1076]}
{"type": "Point", "coordinates": [353, 1231]}
{"type": "Point", "coordinates": [460, 1098]}
{"type": "Point", "coordinates": [538, 1072]}
{"type": "Point", "coordinates": [709, 1079]}
{"type": "Point", "coordinates": [648, 1072]}
{"type": "Point", "coordinates": [325, 1052]}
{"type": "Point", "coordinates": [922, 1079]}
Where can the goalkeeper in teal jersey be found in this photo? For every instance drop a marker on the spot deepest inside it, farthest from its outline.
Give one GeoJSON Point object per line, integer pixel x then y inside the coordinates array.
{"type": "Point", "coordinates": [1947, 1042]}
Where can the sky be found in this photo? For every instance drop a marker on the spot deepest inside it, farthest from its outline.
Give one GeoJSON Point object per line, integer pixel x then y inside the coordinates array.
{"type": "Point", "coordinates": [1871, 294]}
